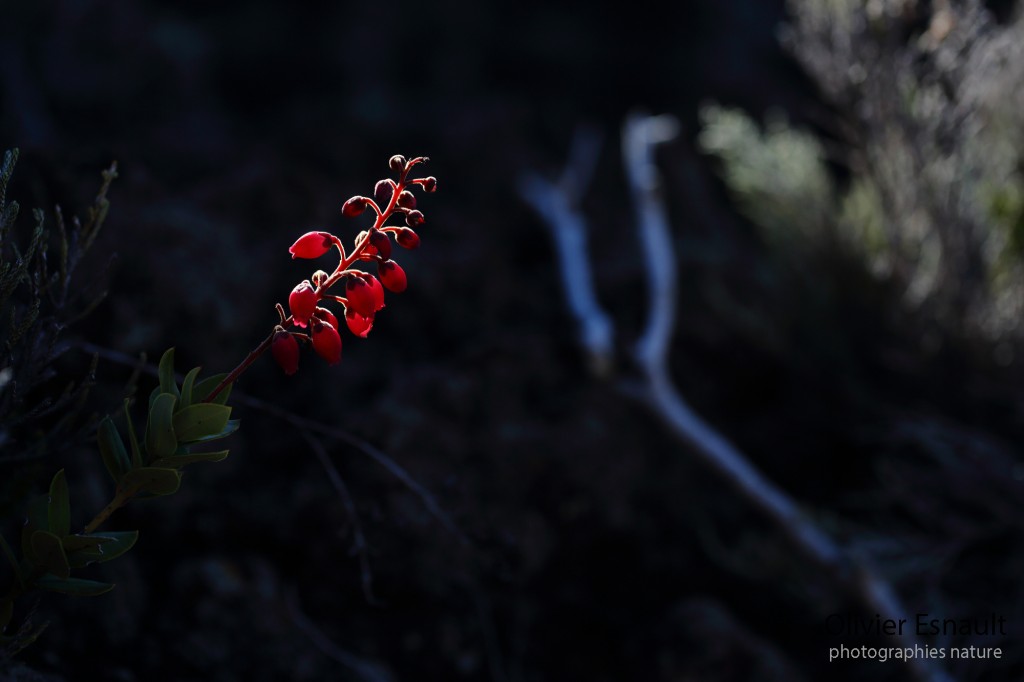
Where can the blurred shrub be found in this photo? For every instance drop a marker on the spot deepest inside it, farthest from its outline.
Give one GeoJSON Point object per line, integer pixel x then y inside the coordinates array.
{"type": "Point", "coordinates": [927, 100]}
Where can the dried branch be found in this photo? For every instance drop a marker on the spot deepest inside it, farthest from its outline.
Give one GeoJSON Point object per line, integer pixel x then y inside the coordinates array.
{"type": "Point", "coordinates": [854, 576]}
{"type": "Point", "coordinates": [558, 204]}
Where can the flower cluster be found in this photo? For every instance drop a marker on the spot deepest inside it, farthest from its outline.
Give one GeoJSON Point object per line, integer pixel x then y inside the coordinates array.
{"type": "Point", "coordinates": [364, 292]}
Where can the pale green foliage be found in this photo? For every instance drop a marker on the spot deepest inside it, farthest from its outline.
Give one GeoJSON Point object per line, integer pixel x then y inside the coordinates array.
{"type": "Point", "coordinates": [932, 137]}
{"type": "Point", "coordinates": [777, 175]}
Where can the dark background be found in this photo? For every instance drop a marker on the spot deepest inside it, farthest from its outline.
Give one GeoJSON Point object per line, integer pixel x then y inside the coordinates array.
{"type": "Point", "coordinates": [596, 547]}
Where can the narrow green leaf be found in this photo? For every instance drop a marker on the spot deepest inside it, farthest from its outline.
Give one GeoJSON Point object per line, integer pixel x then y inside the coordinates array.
{"type": "Point", "coordinates": [50, 554]}
{"type": "Point", "coordinates": [186, 388]}
{"type": "Point", "coordinates": [59, 512]}
{"type": "Point", "coordinates": [181, 460]}
{"type": "Point", "coordinates": [204, 387]}
{"type": "Point", "coordinates": [228, 429]}
{"type": "Point", "coordinates": [200, 421]}
{"type": "Point", "coordinates": [80, 541]}
{"type": "Point", "coordinates": [111, 546]}
{"type": "Point", "coordinates": [120, 542]}
{"type": "Point", "coordinates": [78, 587]}
{"type": "Point", "coordinates": [154, 480]}
{"type": "Point", "coordinates": [165, 371]}
{"type": "Point", "coordinates": [115, 458]}
{"type": "Point", "coordinates": [132, 440]}
{"type": "Point", "coordinates": [160, 438]}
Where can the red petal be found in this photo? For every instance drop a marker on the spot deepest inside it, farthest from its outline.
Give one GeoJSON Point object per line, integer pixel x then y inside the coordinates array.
{"type": "Point", "coordinates": [358, 324]}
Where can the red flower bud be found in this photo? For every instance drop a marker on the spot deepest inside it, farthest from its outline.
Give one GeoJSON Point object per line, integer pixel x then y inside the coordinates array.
{"type": "Point", "coordinates": [285, 350]}
{"type": "Point", "coordinates": [302, 302]}
{"type": "Point", "coordinates": [319, 277]}
{"type": "Point", "coordinates": [326, 316]}
{"type": "Point", "coordinates": [358, 324]}
{"type": "Point", "coordinates": [406, 238]}
{"type": "Point", "coordinates": [406, 199]}
{"type": "Point", "coordinates": [354, 206]}
{"type": "Point", "coordinates": [360, 296]}
{"type": "Point", "coordinates": [380, 243]}
{"type": "Point", "coordinates": [430, 184]}
{"type": "Point", "coordinates": [397, 163]}
{"type": "Point", "coordinates": [414, 219]}
{"type": "Point", "coordinates": [369, 251]}
{"type": "Point", "coordinates": [311, 245]}
{"type": "Point", "coordinates": [392, 276]}
{"type": "Point", "coordinates": [383, 191]}
{"type": "Point", "coordinates": [326, 341]}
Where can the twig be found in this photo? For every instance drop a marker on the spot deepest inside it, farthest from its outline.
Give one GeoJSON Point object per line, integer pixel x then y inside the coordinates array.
{"type": "Point", "coordinates": [640, 135]}
{"type": "Point", "coordinates": [370, 672]}
{"type": "Point", "coordinates": [558, 204]}
{"type": "Point", "coordinates": [359, 547]}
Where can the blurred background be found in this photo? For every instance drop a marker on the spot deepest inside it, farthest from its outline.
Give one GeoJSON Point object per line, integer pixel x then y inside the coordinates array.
{"type": "Point", "coordinates": [846, 201]}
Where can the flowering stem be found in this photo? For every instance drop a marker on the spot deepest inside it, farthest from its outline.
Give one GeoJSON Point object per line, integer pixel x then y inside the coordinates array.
{"type": "Point", "coordinates": [339, 272]}
{"type": "Point", "coordinates": [244, 365]}
{"type": "Point", "coordinates": [382, 217]}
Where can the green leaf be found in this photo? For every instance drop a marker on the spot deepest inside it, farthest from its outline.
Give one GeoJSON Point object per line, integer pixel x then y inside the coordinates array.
{"type": "Point", "coordinates": [160, 438]}
{"type": "Point", "coordinates": [50, 554]}
{"type": "Point", "coordinates": [78, 587]}
{"type": "Point", "coordinates": [228, 429]}
{"type": "Point", "coordinates": [186, 388]}
{"type": "Point", "coordinates": [59, 512]}
{"type": "Point", "coordinates": [120, 542]}
{"type": "Point", "coordinates": [80, 541]}
{"type": "Point", "coordinates": [181, 460]}
{"type": "Point", "coordinates": [200, 421]}
{"type": "Point", "coordinates": [36, 518]}
{"type": "Point", "coordinates": [111, 546]}
{"type": "Point", "coordinates": [165, 371]}
{"type": "Point", "coordinates": [132, 440]}
{"type": "Point", "coordinates": [155, 480]}
{"type": "Point", "coordinates": [115, 458]}
{"type": "Point", "coordinates": [204, 387]}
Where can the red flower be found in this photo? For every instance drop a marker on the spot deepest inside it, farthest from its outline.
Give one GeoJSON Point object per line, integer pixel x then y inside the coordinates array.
{"type": "Point", "coordinates": [392, 276]}
{"type": "Point", "coordinates": [384, 190]}
{"type": "Point", "coordinates": [326, 341]}
{"type": "Point", "coordinates": [407, 238]}
{"type": "Point", "coordinates": [302, 302]}
{"type": "Point", "coordinates": [327, 316]}
{"type": "Point", "coordinates": [380, 243]}
{"type": "Point", "coordinates": [360, 295]}
{"type": "Point", "coordinates": [285, 350]}
{"type": "Point", "coordinates": [354, 206]}
{"type": "Point", "coordinates": [358, 324]}
{"type": "Point", "coordinates": [414, 218]}
{"type": "Point", "coordinates": [311, 245]}
{"type": "Point", "coordinates": [406, 199]}
{"type": "Point", "coordinates": [377, 290]}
